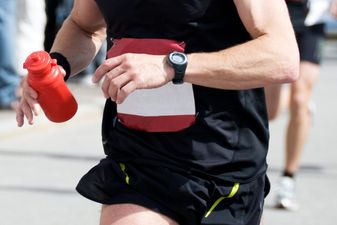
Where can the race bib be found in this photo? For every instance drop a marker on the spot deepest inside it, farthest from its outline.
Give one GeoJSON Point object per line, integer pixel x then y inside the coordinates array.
{"type": "Point", "coordinates": [168, 108]}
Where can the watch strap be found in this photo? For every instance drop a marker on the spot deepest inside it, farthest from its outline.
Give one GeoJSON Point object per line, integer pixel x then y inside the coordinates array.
{"type": "Point", "coordinates": [179, 69]}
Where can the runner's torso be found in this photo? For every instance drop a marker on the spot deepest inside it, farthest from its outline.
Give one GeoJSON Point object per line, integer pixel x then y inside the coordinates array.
{"type": "Point", "coordinates": [230, 137]}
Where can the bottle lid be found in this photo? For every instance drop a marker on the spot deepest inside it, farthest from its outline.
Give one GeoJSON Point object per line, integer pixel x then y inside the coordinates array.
{"type": "Point", "coordinates": [39, 62]}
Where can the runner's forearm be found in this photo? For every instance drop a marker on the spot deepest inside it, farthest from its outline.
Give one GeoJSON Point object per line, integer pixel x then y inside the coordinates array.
{"type": "Point", "coordinates": [81, 50]}
{"type": "Point", "coordinates": [253, 64]}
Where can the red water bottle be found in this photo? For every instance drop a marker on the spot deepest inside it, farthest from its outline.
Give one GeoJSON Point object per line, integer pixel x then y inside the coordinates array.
{"type": "Point", "coordinates": [45, 77]}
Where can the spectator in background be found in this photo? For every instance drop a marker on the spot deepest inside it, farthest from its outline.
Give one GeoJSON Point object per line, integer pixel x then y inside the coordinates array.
{"type": "Point", "coordinates": [22, 23]}
{"type": "Point", "coordinates": [9, 78]}
{"type": "Point", "coordinates": [31, 22]}
{"type": "Point", "coordinates": [308, 21]}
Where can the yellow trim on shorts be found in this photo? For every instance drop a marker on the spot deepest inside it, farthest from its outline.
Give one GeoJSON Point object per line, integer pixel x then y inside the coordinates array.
{"type": "Point", "coordinates": [231, 194]}
{"type": "Point", "coordinates": [123, 167]}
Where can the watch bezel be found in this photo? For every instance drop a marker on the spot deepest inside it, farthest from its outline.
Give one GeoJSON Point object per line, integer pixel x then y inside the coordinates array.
{"type": "Point", "coordinates": [173, 61]}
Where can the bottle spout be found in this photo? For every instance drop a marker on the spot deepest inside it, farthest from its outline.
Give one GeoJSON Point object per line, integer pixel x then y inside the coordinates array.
{"type": "Point", "coordinates": [37, 61]}
{"type": "Point", "coordinates": [35, 58]}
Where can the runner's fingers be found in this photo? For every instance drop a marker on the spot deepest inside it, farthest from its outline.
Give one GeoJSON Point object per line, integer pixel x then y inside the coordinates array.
{"type": "Point", "coordinates": [28, 105]}
{"type": "Point", "coordinates": [28, 92]}
{"type": "Point", "coordinates": [105, 68]}
{"type": "Point", "coordinates": [27, 88]}
{"type": "Point", "coordinates": [35, 106]}
{"type": "Point", "coordinates": [105, 87]}
{"type": "Point", "coordinates": [27, 111]}
{"type": "Point", "coordinates": [109, 83]}
{"type": "Point", "coordinates": [115, 86]}
{"type": "Point", "coordinates": [125, 91]}
{"type": "Point", "coordinates": [32, 93]}
{"type": "Point", "coordinates": [19, 115]}
{"type": "Point", "coordinates": [32, 103]}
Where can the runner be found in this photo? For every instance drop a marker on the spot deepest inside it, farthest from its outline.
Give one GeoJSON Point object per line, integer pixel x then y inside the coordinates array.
{"type": "Point", "coordinates": [201, 160]}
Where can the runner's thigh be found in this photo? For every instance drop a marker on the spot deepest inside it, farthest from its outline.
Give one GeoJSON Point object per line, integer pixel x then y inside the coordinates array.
{"type": "Point", "coordinates": [127, 214]}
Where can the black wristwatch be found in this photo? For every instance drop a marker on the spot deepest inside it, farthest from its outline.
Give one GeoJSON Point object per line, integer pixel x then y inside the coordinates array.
{"type": "Point", "coordinates": [178, 61]}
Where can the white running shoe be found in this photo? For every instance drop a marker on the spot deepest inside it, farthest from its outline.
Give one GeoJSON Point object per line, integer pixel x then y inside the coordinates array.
{"type": "Point", "coordinates": [285, 196]}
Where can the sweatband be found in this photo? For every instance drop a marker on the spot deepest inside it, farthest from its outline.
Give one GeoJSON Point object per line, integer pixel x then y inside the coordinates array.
{"type": "Point", "coordinates": [62, 61]}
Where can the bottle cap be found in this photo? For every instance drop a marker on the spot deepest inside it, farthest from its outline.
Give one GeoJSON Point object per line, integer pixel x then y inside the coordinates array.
{"type": "Point", "coordinates": [39, 62]}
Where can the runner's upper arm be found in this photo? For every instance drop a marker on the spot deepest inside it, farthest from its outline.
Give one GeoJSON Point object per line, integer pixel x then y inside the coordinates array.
{"type": "Point", "coordinates": [264, 17]}
{"type": "Point", "coordinates": [269, 25]}
{"type": "Point", "coordinates": [88, 17]}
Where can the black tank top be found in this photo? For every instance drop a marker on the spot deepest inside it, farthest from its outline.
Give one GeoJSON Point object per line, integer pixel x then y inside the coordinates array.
{"type": "Point", "coordinates": [229, 141]}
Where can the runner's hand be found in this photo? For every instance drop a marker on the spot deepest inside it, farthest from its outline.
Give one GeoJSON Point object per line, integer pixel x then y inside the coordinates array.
{"type": "Point", "coordinates": [128, 72]}
{"type": "Point", "coordinates": [28, 106]}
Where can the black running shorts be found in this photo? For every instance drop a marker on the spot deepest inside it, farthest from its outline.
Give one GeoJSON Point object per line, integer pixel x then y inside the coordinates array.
{"type": "Point", "coordinates": [184, 197]}
{"type": "Point", "coordinates": [310, 41]}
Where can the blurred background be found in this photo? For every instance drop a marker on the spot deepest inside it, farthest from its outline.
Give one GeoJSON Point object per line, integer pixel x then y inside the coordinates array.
{"type": "Point", "coordinates": [331, 28]}
{"type": "Point", "coordinates": [41, 164]}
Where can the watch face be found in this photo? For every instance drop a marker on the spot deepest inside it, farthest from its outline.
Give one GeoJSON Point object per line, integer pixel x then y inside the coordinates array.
{"type": "Point", "coordinates": [178, 58]}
